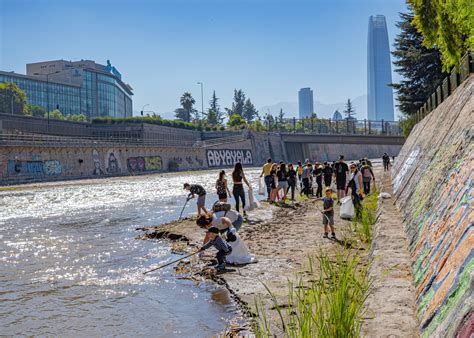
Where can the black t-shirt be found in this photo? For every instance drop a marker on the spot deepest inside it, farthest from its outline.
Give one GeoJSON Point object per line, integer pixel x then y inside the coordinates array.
{"type": "Point", "coordinates": [292, 175]}
{"type": "Point", "coordinates": [318, 173]}
{"type": "Point", "coordinates": [341, 170]}
{"type": "Point", "coordinates": [327, 171]}
{"type": "Point", "coordinates": [282, 175]}
{"type": "Point", "coordinates": [197, 189]}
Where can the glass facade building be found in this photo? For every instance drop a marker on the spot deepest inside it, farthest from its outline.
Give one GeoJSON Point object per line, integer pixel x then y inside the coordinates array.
{"type": "Point", "coordinates": [379, 71]}
{"type": "Point", "coordinates": [305, 102]}
{"type": "Point", "coordinates": [75, 88]}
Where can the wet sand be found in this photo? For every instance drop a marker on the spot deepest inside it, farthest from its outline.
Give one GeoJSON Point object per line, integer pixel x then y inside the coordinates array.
{"type": "Point", "coordinates": [281, 237]}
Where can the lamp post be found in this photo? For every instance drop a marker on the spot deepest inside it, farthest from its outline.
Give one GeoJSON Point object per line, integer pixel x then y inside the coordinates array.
{"type": "Point", "coordinates": [143, 108]}
{"type": "Point", "coordinates": [202, 98]}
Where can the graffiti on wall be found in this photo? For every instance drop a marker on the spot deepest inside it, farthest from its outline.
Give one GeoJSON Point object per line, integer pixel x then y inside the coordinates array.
{"type": "Point", "coordinates": [407, 165]}
{"type": "Point", "coordinates": [34, 168]}
{"type": "Point", "coordinates": [228, 157]}
{"type": "Point", "coordinates": [96, 160]}
{"type": "Point", "coordinates": [142, 164]}
{"type": "Point", "coordinates": [113, 163]}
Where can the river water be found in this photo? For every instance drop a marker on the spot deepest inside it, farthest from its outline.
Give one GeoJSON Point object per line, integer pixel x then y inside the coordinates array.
{"type": "Point", "coordinates": [71, 266]}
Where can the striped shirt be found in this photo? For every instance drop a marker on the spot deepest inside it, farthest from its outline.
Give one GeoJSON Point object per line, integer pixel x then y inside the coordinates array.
{"type": "Point", "coordinates": [218, 243]}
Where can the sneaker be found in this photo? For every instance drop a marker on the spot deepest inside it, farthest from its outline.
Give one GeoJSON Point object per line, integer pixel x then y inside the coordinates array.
{"type": "Point", "coordinates": [325, 235]}
{"type": "Point", "coordinates": [333, 235]}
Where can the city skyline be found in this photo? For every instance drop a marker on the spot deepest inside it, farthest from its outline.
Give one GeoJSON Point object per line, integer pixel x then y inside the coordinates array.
{"type": "Point", "coordinates": [151, 50]}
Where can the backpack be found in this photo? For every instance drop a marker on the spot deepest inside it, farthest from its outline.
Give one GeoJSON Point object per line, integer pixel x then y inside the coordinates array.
{"type": "Point", "coordinates": [221, 206]}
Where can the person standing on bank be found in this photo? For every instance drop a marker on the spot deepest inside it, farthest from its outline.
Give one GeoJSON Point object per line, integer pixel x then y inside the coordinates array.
{"type": "Point", "coordinates": [292, 180]}
{"type": "Point", "coordinates": [327, 174]}
{"type": "Point", "coordinates": [318, 178]}
{"type": "Point", "coordinates": [386, 161]}
{"type": "Point", "coordinates": [367, 176]}
{"type": "Point", "coordinates": [282, 175]}
{"type": "Point", "coordinates": [267, 177]}
{"type": "Point", "coordinates": [306, 176]}
{"type": "Point", "coordinates": [340, 171]}
{"type": "Point", "coordinates": [355, 184]}
{"type": "Point", "coordinates": [238, 178]}
{"type": "Point", "coordinates": [222, 188]}
{"type": "Point", "coordinates": [300, 173]}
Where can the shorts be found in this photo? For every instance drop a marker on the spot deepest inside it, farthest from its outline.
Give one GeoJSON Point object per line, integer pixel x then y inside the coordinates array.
{"type": "Point", "coordinates": [222, 196]}
{"type": "Point", "coordinates": [283, 185]}
{"type": "Point", "coordinates": [331, 220]}
{"type": "Point", "coordinates": [341, 184]}
{"type": "Point", "coordinates": [201, 201]}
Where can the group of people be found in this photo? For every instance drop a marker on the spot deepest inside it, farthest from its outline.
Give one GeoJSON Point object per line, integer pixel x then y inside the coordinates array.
{"type": "Point", "coordinates": [222, 223]}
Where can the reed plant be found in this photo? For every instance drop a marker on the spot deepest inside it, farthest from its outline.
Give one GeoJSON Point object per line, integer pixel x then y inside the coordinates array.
{"type": "Point", "coordinates": [363, 224]}
{"type": "Point", "coordinates": [329, 305]}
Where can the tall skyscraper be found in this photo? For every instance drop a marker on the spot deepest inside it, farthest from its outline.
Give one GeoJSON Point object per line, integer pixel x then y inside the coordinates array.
{"type": "Point", "coordinates": [379, 71]}
{"type": "Point", "coordinates": [305, 101]}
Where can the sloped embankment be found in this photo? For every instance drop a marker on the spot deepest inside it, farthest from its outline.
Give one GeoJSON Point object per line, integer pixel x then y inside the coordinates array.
{"type": "Point", "coordinates": [432, 180]}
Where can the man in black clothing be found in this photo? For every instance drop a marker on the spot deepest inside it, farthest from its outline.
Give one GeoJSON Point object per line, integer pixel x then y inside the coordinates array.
{"type": "Point", "coordinates": [341, 169]}
{"type": "Point", "coordinates": [386, 161]}
{"type": "Point", "coordinates": [318, 176]}
{"type": "Point", "coordinates": [327, 173]}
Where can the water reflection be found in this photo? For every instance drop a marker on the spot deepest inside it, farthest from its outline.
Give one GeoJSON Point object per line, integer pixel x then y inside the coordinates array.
{"type": "Point", "coordinates": [71, 265]}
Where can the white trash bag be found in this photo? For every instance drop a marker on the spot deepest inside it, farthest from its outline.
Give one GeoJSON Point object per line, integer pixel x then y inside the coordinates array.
{"type": "Point", "coordinates": [347, 210]}
{"type": "Point", "coordinates": [384, 195]}
{"type": "Point", "coordinates": [261, 187]}
{"type": "Point", "coordinates": [240, 253]}
{"type": "Point", "coordinates": [253, 202]}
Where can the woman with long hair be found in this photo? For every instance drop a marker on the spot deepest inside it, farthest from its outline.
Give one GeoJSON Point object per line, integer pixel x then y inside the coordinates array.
{"type": "Point", "coordinates": [222, 188]}
{"type": "Point", "coordinates": [282, 175]}
{"type": "Point", "coordinates": [292, 180]}
{"type": "Point", "coordinates": [274, 183]}
{"type": "Point", "coordinates": [238, 178]}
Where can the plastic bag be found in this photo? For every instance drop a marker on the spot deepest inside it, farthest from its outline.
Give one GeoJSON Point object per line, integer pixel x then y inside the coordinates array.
{"type": "Point", "coordinates": [347, 210]}
{"type": "Point", "coordinates": [333, 186]}
{"type": "Point", "coordinates": [253, 203]}
{"type": "Point", "coordinates": [240, 253]}
{"type": "Point", "coordinates": [261, 187]}
{"type": "Point", "coordinates": [384, 195]}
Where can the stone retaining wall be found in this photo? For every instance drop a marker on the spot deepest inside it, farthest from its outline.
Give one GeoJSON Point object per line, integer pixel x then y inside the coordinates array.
{"type": "Point", "coordinates": [432, 179]}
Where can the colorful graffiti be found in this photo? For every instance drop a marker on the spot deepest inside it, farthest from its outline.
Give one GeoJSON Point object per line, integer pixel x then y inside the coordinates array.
{"type": "Point", "coordinates": [434, 189]}
{"type": "Point", "coordinates": [228, 157]}
{"type": "Point", "coordinates": [34, 168]}
{"type": "Point", "coordinates": [143, 164]}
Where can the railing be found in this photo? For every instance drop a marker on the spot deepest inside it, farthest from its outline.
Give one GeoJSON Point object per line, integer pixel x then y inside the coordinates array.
{"type": "Point", "coordinates": [21, 139]}
{"type": "Point", "coordinates": [220, 140]}
{"type": "Point", "coordinates": [313, 125]}
{"type": "Point", "coordinates": [449, 84]}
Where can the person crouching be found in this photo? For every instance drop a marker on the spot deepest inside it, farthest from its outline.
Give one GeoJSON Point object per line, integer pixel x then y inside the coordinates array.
{"type": "Point", "coordinates": [223, 248]}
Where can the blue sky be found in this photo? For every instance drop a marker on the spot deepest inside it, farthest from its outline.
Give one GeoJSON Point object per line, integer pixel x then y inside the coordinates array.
{"type": "Point", "coordinates": [270, 49]}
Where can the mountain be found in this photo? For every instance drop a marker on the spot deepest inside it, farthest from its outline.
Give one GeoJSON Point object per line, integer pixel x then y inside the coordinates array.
{"type": "Point", "coordinates": [323, 110]}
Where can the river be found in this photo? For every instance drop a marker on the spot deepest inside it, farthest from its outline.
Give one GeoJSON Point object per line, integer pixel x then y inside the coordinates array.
{"type": "Point", "coordinates": [71, 266]}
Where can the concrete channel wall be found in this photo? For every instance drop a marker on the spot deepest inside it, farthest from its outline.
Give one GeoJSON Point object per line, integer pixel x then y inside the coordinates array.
{"type": "Point", "coordinates": [432, 179]}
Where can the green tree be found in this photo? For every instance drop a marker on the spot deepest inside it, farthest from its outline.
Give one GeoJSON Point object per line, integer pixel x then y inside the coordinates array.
{"type": "Point", "coordinates": [36, 111]}
{"type": "Point", "coordinates": [349, 111]}
{"type": "Point", "coordinates": [269, 121]}
{"type": "Point", "coordinates": [76, 117]}
{"type": "Point", "coordinates": [187, 111]}
{"type": "Point", "coordinates": [214, 114]}
{"type": "Point", "coordinates": [446, 24]}
{"type": "Point", "coordinates": [236, 120]}
{"type": "Point", "coordinates": [12, 99]}
{"type": "Point", "coordinates": [420, 67]}
{"type": "Point", "coordinates": [281, 116]}
{"type": "Point", "coordinates": [54, 115]}
{"type": "Point", "coordinates": [249, 113]}
{"type": "Point", "coordinates": [238, 104]}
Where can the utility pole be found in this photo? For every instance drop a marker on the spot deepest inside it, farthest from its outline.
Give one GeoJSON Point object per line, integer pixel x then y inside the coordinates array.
{"type": "Point", "coordinates": [202, 98]}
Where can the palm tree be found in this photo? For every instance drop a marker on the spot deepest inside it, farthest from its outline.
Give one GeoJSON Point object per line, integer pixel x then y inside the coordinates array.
{"type": "Point", "coordinates": [187, 102]}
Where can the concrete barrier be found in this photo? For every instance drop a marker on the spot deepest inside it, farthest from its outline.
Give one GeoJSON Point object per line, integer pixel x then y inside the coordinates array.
{"type": "Point", "coordinates": [433, 186]}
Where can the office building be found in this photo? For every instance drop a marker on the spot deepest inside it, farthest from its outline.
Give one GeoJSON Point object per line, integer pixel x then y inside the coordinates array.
{"type": "Point", "coordinates": [379, 71]}
{"type": "Point", "coordinates": [75, 87]}
{"type": "Point", "coordinates": [305, 102]}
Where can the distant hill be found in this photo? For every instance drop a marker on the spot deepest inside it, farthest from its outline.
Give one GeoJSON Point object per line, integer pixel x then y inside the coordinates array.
{"type": "Point", "coordinates": [323, 110]}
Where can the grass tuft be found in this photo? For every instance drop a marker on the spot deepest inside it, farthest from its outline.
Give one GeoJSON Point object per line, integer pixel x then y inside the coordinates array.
{"type": "Point", "coordinates": [364, 223]}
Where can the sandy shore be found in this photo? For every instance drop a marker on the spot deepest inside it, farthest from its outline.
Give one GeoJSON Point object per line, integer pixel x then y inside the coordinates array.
{"type": "Point", "coordinates": [281, 237]}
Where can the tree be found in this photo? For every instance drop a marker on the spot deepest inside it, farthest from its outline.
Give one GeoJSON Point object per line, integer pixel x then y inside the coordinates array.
{"type": "Point", "coordinates": [269, 120]}
{"type": "Point", "coordinates": [36, 111]}
{"type": "Point", "coordinates": [54, 115]}
{"type": "Point", "coordinates": [420, 67]}
{"type": "Point", "coordinates": [187, 103]}
{"type": "Point", "coordinates": [236, 120]}
{"type": "Point", "coordinates": [349, 111]}
{"type": "Point", "coordinates": [76, 117]}
{"type": "Point", "coordinates": [238, 104]}
{"type": "Point", "coordinates": [446, 24]}
{"type": "Point", "coordinates": [249, 113]}
{"type": "Point", "coordinates": [12, 99]}
{"type": "Point", "coordinates": [214, 114]}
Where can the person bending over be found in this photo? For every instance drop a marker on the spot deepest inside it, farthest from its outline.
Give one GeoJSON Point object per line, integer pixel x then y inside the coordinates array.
{"type": "Point", "coordinates": [222, 247]}
{"type": "Point", "coordinates": [196, 189]}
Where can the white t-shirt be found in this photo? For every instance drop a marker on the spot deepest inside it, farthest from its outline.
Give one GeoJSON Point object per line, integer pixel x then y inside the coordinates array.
{"type": "Point", "coordinates": [217, 218]}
